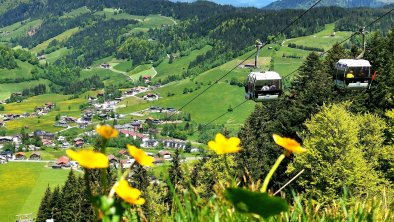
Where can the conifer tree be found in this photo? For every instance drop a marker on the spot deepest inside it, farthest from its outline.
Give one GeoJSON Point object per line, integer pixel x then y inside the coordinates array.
{"type": "Point", "coordinates": [55, 205]}
{"type": "Point", "coordinates": [44, 212]}
{"type": "Point", "coordinates": [71, 198]}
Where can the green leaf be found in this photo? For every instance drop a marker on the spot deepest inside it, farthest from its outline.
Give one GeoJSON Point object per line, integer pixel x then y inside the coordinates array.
{"type": "Point", "coordinates": [246, 201]}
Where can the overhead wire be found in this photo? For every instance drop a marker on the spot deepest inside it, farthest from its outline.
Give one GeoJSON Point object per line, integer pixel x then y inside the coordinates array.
{"type": "Point", "coordinates": [237, 106]}
{"type": "Point", "coordinates": [345, 40]}
{"type": "Point", "coordinates": [263, 45]}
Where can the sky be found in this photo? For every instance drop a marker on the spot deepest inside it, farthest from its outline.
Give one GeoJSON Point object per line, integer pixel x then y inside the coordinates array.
{"type": "Point", "coordinates": [244, 3]}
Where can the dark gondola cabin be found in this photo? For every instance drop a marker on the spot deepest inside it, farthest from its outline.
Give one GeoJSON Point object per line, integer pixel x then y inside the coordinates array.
{"type": "Point", "coordinates": [262, 86]}
{"type": "Point", "coordinates": [353, 73]}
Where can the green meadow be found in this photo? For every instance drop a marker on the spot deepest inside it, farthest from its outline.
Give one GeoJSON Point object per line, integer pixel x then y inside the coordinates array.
{"type": "Point", "coordinates": [179, 64]}
{"type": "Point", "coordinates": [61, 37]}
{"type": "Point", "coordinates": [18, 29]}
{"type": "Point", "coordinates": [321, 39]}
{"type": "Point", "coordinates": [7, 88]}
{"type": "Point", "coordinates": [22, 186]}
{"type": "Point", "coordinates": [22, 71]}
{"type": "Point", "coordinates": [64, 106]}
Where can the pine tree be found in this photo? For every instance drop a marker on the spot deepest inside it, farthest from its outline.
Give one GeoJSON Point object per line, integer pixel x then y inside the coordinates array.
{"type": "Point", "coordinates": [71, 198]}
{"type": "Point", "coordinates": [56, 204]}
{"type": "Point", "coordinates": [44, 212]}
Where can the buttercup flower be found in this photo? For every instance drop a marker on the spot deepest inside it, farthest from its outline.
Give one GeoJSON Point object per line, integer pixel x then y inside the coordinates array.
{"type": "Point", "coordinates": [129, 194]}
{"type": "Point", "coordinates": [89, 158]}
{"type": "Point", "coordinates": [140, 156]}
{"type": "Point", "coordinates": [288, 144]}
{"type": "Point", "coordinates": [222, 145]}
{"type": "Point", "coordinates": [106, 131]}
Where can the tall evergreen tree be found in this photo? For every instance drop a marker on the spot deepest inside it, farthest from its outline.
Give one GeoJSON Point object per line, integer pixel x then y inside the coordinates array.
{"type": "Point", "coordinates": [44, 212]}
{"type": "Point", "coordinates": [56, 204]}
{"type": "Point", "coordinates": [71, 198]}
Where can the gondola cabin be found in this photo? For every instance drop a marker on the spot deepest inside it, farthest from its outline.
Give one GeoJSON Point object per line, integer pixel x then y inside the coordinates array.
{"type": "Point", "coordinates": [262, 86]}
{"type": "Point", "coordinates": [353, 73]}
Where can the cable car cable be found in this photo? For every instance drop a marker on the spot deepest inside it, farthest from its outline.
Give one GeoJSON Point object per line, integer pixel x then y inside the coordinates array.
{"type": "Point", "coordinates": [228, 72]}
{"type": "Point", "coordinates": [355, 33]}
{"type": "Point", "coordinates": [237, 106]}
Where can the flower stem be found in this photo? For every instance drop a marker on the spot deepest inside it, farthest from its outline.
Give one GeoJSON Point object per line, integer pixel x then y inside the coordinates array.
{"type": "Point", "coordinates": [271, 172]}
{"type": "Point", "coordinates": [124, 175]}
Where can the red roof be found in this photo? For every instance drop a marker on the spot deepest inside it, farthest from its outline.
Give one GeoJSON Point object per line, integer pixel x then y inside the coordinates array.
{"type": "Point", "coordinates": [111, 157]}
{"type": "Point", "coordinates": [123, 151]}
{"type": "Point", "coordinates": [35, 153]}
{"type": "Point", "coordinates": [19, 154]}
{"type": "Point", "coordinates": [164, 152]}
{"type": "Point", "coordinates": [62, 160]}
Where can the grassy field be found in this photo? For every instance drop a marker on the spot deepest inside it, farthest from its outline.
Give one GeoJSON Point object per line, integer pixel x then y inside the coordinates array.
{"type": "Point", "coordinates": [22, 71]}
{"type": "Point", "coordinates": [107, 75]}
{"type": "Point", "coordinates": [76, 12]}
{"type": "Point", "coordinates": [61, 37]}
{"type": "Point", "coordinates": [18, 29]}
{"type": "Point", "coordinates": [53, 56]}
{"type": "Point", "coordinates": [22, 186]}
{"type": "Point", "coordinates": [7, 88]}
{"type": "Point", "coordinates": [180, 64]}
{"type": "Point", "coordinates": [124, 66]}
{"type": "Point", "coordinates": [64, 106]}
{"type": "Point", "coordinates": [321, 39]}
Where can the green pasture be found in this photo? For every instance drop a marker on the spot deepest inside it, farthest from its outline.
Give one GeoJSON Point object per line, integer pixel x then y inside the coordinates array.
{"type": "Point", "coordinates": [22, 71]}
{"type": "Point", "coordinates": [7, 88]}
{"type": "Point", "coordinates": [22, 186]}
{"type": "Point", "coordinates": [53, 56]}
{"type": "Point", "coordinates": [139, 69]}
{"type": "Point", "coordinates": [61, 37]}
{"type": "Point", "coordinates": [48, 153]}
{"type": "Point", "coordinates": [64, 106]}
{"type": "Point", "coordinates": [321, 39]}
{"type": "Point", "coordinates": [18, 29]}
{"type": "Point", "coordinates": [209, 105]}
{"type": "Point", "coordinates": [76, 12]}
{"type": "Point", "coordinates": [179, 64]}
{"type": "Point", "coordinates": [148, 72]}
{"type": "Point", "coordinates": [124, 66]}
{"type": "Point", "coordinates": [109, 77]}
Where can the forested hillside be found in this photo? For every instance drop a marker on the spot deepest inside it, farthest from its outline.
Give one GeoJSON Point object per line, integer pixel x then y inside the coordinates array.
{"type": "Point", "coordinates": [283, 4]}
{"type": "Point", "coordinates": [169, 77]}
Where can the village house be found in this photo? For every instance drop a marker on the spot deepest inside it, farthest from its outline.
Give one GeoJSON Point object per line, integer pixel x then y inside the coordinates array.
{"type": "Point", "coordinates": [61, 123]}
{"type": "Point", "coordinates": [78, 142]}
{"type": "Point", "coordinates": [105, 66]}
{"type": "Point", "coordinates": [146, 142]}
{"type": "Point", "coordinates": [35, 156]}
{"type": "Point", "coordinates": [20, 156]}
{"type": "Point", "coordinates": [112, 159]}
{"type": "Point", "coordinates": [123, 152]}
{"type": "Point", "coordinates": [44, 135]}
{"type": "Point", "coordinates": [165, 154]}
{"type": "Point", "coordinates": [63, 161]}
{"type": "Point", "coordinates": [48, 142]}
{"type": "Point", "coordinates": [7, 154]}
{"type": "Point", "coordinates": [174, 143]}
{"type": "Point", "coordinates": [151, 97]}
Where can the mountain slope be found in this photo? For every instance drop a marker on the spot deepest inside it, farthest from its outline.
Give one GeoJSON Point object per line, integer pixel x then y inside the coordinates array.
{"type": "Point", "coordinates": [285, 4]}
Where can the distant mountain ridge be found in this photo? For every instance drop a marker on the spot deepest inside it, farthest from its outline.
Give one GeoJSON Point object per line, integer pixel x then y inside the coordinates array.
{"type": "Point", "coordinates": [302, 4]}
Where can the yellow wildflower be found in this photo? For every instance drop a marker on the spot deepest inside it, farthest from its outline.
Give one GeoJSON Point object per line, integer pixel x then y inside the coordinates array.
{"type": "Point", "coordinates": [222, 145]}
{"type": "Point", "coordinates": [129, 194]}
{"type": "Point", "coordinates": [89, 158]}
{"type": "Point", "coordinates": [140, 156]}
{"type": "Point", "coordinates": [106, 131]}
{"type": "Point", "coordinates": [288, 144]}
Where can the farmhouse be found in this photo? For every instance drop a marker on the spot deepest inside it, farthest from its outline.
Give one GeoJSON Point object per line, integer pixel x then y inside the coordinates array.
{"type": "Point", "coordinates": [20, 156]}
{"type": "Point", "coordinates": [105, 66]}
{"type": "Point", "coordinates": [174, 143]}
{"type": "Point", "coordinates": [63, 161]}
{"type": "Point", "coordinates": [35, 156]}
